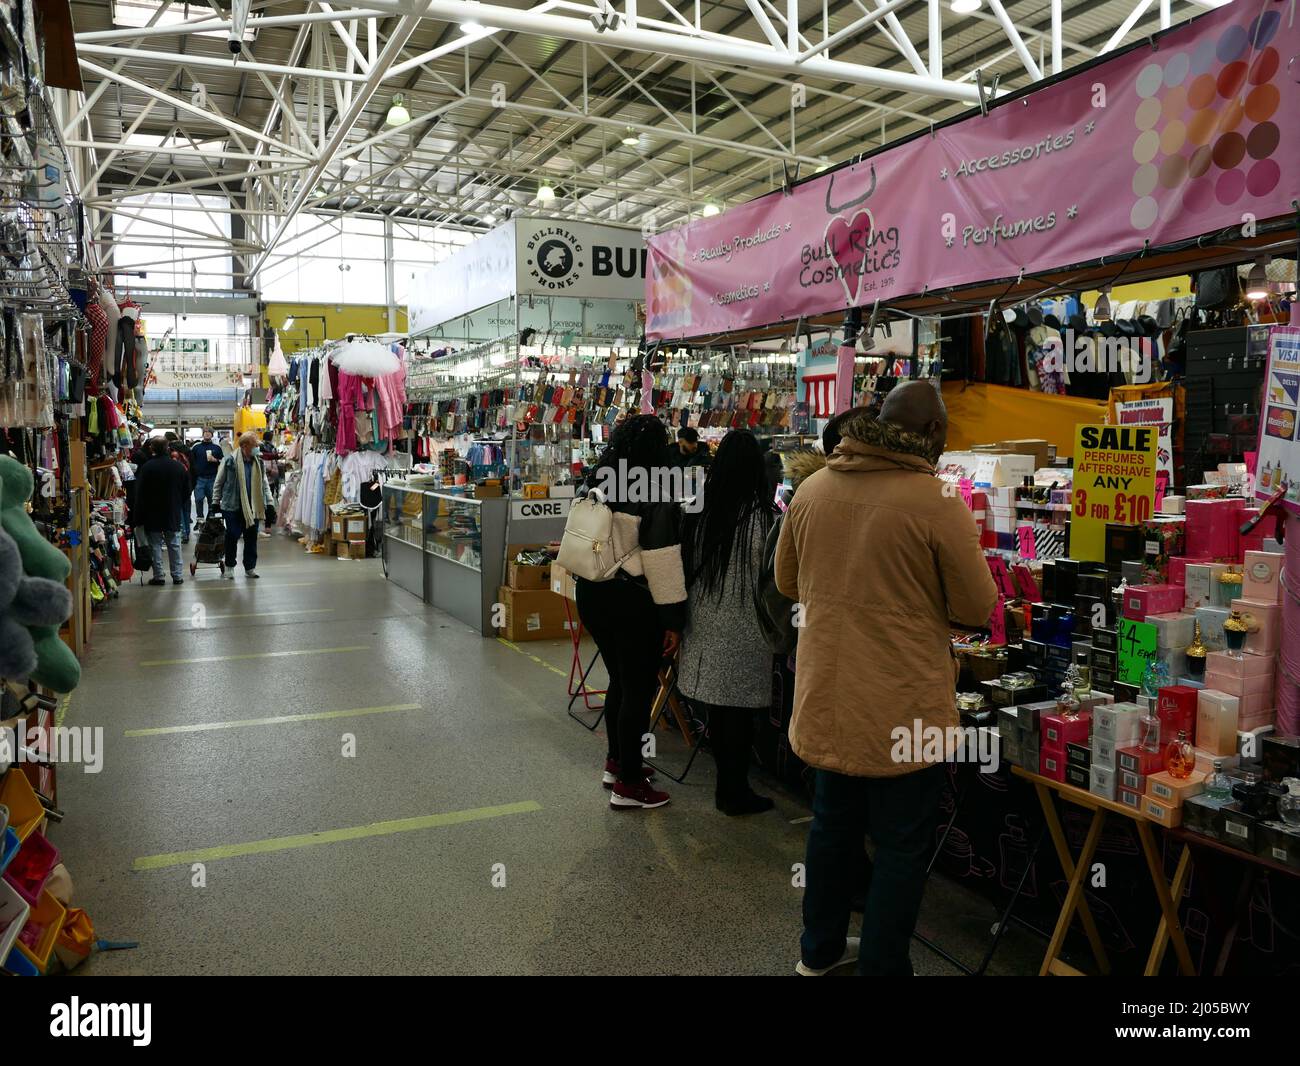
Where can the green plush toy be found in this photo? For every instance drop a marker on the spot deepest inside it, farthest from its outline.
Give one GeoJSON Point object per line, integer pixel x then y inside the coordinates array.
{"type": "Point", "coordinates": [56, 667]}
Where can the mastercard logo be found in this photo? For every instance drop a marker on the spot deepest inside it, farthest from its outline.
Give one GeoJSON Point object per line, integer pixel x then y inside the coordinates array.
{"type": "Point", "coordinates": [1280, 423]}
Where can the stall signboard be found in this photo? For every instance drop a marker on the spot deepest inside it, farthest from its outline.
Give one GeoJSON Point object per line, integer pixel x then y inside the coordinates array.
{"type": "Point", "coordinates": [479, 274]}
{"type": "Point", "coordinates": [1158, 412]}
{"type": "Point", "coordinates": [1137, 646]}
{"type": "Point", "coordinates": [1132, 152]}
{"type": "Point", "coordinates": [1114, 481]}
{"type": "Point", "coordinates": [1278, 461]}
{"type": "Point", "coordinates": [202, 377]}
{"type": "Point", "coordinates": [559, 257]}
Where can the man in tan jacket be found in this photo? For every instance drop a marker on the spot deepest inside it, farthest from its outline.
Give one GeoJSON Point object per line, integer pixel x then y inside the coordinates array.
{"type": "Point", "coordinates": [881, 558]}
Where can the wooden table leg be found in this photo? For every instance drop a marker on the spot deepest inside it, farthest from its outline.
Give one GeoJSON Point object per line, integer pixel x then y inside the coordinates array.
{"type": "Point", "coordinates": [1176, 889]}
{"type": "Point", "coordinates": [1239, 907]}
{"type": "Point", "coordinates": [1167, 905]}
{"type": "Point", "coordinates": [1074, 897]}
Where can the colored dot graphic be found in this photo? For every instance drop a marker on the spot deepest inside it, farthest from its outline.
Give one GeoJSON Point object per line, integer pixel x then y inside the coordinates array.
{"type": "Point", "coordinates": [1206, 125]}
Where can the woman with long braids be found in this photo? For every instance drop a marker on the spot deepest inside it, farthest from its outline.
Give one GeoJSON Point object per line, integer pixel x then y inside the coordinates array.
{"type": "Point", "coordinates": [726, 665]}
{"type": "Point", "coordinates": [636, 620]}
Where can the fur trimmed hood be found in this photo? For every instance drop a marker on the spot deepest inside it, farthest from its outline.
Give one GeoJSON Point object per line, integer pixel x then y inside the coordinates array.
{"type": "Point", "coordinates": [882, 437]}
{"type": "Point", "coordinates": [801, 464]}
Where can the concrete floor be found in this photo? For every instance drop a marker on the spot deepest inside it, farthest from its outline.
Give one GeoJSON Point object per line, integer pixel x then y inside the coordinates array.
{"type": "Point", "coordinates": [587, 891]}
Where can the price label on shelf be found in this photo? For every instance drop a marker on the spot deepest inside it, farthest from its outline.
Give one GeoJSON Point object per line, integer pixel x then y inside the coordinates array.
{"type": "Point", "coordinates": [1025, 535]}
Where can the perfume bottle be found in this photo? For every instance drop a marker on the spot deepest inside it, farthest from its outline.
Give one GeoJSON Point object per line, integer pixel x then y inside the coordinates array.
{"type": "Point", "coordinates": [1195, 653]}
{"type": "Point", "coordinates": [1235, 628]}
{"type": "Point", "coordinates": [1288, 806]}
{"type": "Point", "coordinates": [1155, 676]}
{"type": "Point", "coordinates": [1149, 731]}
{"type": "Point", "coordinates": [1218, 786]}
{"type": "Point", "coordinates": [1229, 585]}
{"type": "Point", "coordinates": [1180, 757]}
{"type": "Point", "coordinates": [1067, 703]}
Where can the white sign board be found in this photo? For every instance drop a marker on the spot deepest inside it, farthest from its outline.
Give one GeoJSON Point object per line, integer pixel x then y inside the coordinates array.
{"type": "Point", "coordinates": [525, 509]}
{"type": "Point", "coordinates": [1159, 411]}
{"type": "Point", "coordinates": [556, 257]}
{"type": "Point", "coordinates": [479, 274]}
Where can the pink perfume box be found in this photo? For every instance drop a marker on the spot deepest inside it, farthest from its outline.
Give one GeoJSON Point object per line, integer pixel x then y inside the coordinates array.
{"type": "Point", "coordinates": [1259, 684]}
{"type": "Point", "coordinates": [1216, 721]}
{"type": "Point", "coordinates": [1143, 600]}
{"type": "Point", "coordinates": [1254, 705]}
{"type": "Point", "coordinates": [1058, 731]}
{"type": "Point", "coordinates": [1051, 764]}
{"type": "Point", "coordinates": [1261, 584]}
{"type": "Point", "coordinates": [1220, 662]}
{"type": "Point", "coordinates": [1265, 636]}
{"type": "Point", "coordinates": [1212, 528]}
{"type": "Point", "coordinates": [1178, 566]}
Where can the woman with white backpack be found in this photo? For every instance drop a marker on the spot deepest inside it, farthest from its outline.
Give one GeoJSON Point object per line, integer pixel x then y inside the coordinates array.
{"type": "Point", "coordinates": [625, 552]}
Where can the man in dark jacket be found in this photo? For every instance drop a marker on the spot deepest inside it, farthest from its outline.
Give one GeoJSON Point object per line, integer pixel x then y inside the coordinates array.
{"type": "Point", "coordinates": [687, 451]}
{"type": "Point", "coordinates": [205, 460]}
{"type": "Point", "coordinates": [162, 493]}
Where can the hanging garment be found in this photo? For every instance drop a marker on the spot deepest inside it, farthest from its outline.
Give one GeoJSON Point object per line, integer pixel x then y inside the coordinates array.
{"type": "Point", "coordinates": [114, 315]}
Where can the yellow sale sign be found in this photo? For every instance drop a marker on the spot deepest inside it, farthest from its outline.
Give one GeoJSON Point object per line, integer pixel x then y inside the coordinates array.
{"type": "Point", "coordinates": [1114, 481]}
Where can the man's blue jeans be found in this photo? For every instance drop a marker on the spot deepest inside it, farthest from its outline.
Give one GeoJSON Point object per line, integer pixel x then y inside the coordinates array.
{"type": "Point", "coordinates": [172, 539]}
{"type": "Point", "coordinates": [900, 815]}
{"type": "Point", "coordinates": [202, 495]}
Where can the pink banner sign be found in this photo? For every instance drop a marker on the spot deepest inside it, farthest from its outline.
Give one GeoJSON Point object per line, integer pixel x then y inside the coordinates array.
{"type": "Point", "coordinates": [1151, 147]}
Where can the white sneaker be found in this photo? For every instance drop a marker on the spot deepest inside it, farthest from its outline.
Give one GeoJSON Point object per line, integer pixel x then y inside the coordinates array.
{"type": "Point", "coordinates": [851, 945]}
{"type": "Point", "coordinates": [228, 574]}
{"type": "Point", "coordinates": [252, 573]}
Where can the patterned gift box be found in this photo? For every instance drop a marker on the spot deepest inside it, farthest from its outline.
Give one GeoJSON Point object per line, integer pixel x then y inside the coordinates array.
{"type": "Point", "coordinates": [1049, 542]}
{"type": "Point", "coordinates": [1162, 538]}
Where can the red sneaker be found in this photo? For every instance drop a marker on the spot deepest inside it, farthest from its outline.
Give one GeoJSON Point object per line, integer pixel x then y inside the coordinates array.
{"type": "Point", "coordinates": [632, 797]}
{"type": "Point", "coordinates": [610, 776]}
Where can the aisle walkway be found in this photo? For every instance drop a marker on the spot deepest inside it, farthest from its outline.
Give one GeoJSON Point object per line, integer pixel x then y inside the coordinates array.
{"type": "Point", "coordinates": [227, 708]}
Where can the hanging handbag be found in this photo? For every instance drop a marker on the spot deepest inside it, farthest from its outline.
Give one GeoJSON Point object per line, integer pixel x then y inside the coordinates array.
{"type": "Point", "coordinates": [1217, 289]}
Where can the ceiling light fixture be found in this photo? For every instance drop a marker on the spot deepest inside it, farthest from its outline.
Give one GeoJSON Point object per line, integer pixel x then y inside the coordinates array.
{"type": "Point", "coordinates": [288, 322]}
{"type": "Point", "coordinates": [965, 7]}
{"type": "Point", "coordinates": [1101, 313]}
{"type": "Point", "coordinates": [397, 113]}
{"type": "Point", "coordinates": [605, 17]}
{"type": "Point", "coordinates": [489, 220]}
{"type": "Point", "coordinates": [630, 138]}
{"type": "Point", "coordinates": [545, 194]}
{"type": "Point", "coordinates": [1257, 282]}
{"type": "Point", "coordinates": [710, 209]}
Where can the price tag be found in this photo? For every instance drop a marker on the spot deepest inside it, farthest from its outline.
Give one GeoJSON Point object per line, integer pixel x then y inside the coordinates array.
{"type": "Point", "coordinates": [1025, 534]}
{"type": "Point", "coordinates": [1162, 486]}
{"type": "Point", "coordinates": [1028, 586]}
{"type": "Point", "coordinates": [1001, 576]}
{"type": "Point", "coordinates": [967, 488]}
{"type": "Point", "coordinates": [998, 623]}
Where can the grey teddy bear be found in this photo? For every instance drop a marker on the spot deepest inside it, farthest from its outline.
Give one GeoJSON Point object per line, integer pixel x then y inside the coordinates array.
{"type": "Point", "coordinates": [24, 601]}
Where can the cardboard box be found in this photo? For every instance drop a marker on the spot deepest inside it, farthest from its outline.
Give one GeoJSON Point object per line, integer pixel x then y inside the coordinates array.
{"type": "Point", "coordinates": [1166, 814]}
{"type": "Point", "coordinates": [356, 528]}
{"type": "Point", "coordinates": [349, 549]}
{"type": "Point", "coordinates": [535, 490]}
{"type": "Point", "coordinates": [1164, 786]}
{"type": "Point", "coordinates": [1239, 828]}
{"type": "Point", "coordinates": [1265, 619]}
{"type": "Point", "coordinates": [1279, 842]}
{"type": "Point", "coordinates": [524, 577]}
{"type": "Point", "coordinates": [533, 614]}
{"type": "Point", "coordinates": [1216, 721]}
{"type": "Point", "coordinates": [490, 490]}
{"type": "Point", "coordinates": [562, 582]}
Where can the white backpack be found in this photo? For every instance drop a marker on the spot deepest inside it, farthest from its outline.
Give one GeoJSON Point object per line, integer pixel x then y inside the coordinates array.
{"type": "Point", "coordinates": [599, 541]}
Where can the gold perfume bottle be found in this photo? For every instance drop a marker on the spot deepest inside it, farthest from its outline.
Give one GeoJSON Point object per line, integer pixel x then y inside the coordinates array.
{"type": "Point", "coordinates": [1196, 652]}
{"type": "Point", "coordinates": [1235, 628]}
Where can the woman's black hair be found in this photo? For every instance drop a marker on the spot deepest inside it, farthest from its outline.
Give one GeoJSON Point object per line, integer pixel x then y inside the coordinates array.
{"type": "Point", "coordinates": [737, 507]}
{"type": "Point", "coordinates": [639, 440]}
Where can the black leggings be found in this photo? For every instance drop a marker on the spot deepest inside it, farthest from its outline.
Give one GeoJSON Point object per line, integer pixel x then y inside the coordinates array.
{"type": "Point", "coordinates": [731, 737]}
{"type": "Point", "coordinates": [622, 620]}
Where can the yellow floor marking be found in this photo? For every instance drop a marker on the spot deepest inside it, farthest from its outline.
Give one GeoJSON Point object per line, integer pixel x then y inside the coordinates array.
{"type": "Point", "coordinates": [254, 655]}
{"type": "Point", "coordinates": [528, 655]}
{"type": "Point", "coordinates": [63, 710]}
{"type": "Point", "coordinates": [246, 614]}
{"type": "Point", "coordinates": [332, 836]}
{"type": "Point", "coordinates": [276, 720]}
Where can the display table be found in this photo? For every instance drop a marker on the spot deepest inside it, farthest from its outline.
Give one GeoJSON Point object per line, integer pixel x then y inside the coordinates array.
{"type": "Point", "coordinates": [1077, 871]}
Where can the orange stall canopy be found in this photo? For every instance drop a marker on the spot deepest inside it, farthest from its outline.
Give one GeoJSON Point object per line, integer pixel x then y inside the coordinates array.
{"type": "Point", "coordinates": [986, 414]}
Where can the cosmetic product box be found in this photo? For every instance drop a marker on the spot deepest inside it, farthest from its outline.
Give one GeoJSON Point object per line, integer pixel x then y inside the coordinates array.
{"type": "Point", "coordinates": [1212, 619]}
{"type": "Point", "coordinates": [1201, 584]}
{"type": "Point", "coordinates": [1175, 660]}
{"type": "Point", "coordinates": [1104, 639]}
{"type": "Point", "coordinates": [1203, 814]}
{"type": "Point", "coordinates": [1057, 730]}
{"type": "Point", "coordinates": [1131, 571]}
{"type": "Point", "coordinates": [1080, 651]}
{"type": "Point", "coordinates": [1161, 811]}
{"type": "Point", "coordinates": [1142, 601]}
{"type": "Point", "coordinates": [1105, 753]}
{"type": "Point", "coordinates": [1176, 709]}
{"type": "Point", "coordinates": [1212, 527]}
{"type": "Point", "coordinates": [1010, 747]}
{"type": "Point", "coordinates": [1216, 721]}
{"type": "Point", "coordinates": [1239, 827]}
{"type": "Point", "coordinates": [1077, 776]}
{"type": "Point", "coordinates": [1280, 756]}
{"type": "Point", "coordinates": [1258, 685]}
{"type": "Point", "coordinates": [1260, 577]}
{"type": "Point", "coordinates": [1120, 723]}
{"type": "Point", "coordinates": [1102, 781]}
{"type": "Point", "coordinates": [1079, 755]}
{"type": "Point", "coordinates": [1126, 693]}
{"type": "Point", "coordinates": [1279, 842]}
{"type": "Point", "coordinates": [1103, 680]}
{"type": "Point", "coordinates": [1191, 682]}
{"type": "Point", "coordinates": [1174, 630]}
{"type": "Point", "coordinates": [1129, 779]}
{"type": "Point", "coordinates": [1265, 636]}
{"type": "Point", "coordinates": [1051, 764]}
{"type": "Point", "coordinates": [1173, 504]}
{"type": "Point", "coordinates": [1030, 714]}
{"type": "Point", "coordinates": [1008, 719]}
{"type": "Point", "coordinates": [1178, 569]}
{"type": "Point", "coordinates": [1139, 761]}
{"type": "Point", "coordinates": [1122, 543]}
{"type": "Point", "coordinates": [1129, 797]}
{"type": "Point", "coordinates": [1030, 753]}
{"type": "Point", "coordinates": [1164, 786]}
{"type": "Point", "coordinates": [1006, 697]}
{"type": "Point", "coordinates": [1066, 576]}
{"type": "Point", "coordinates": [1035, 651]}
{"type": "Point", "coordinates": [1205, 761]}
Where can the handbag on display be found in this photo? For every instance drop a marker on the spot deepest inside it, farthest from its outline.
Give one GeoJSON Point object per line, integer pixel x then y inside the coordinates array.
{"type": "Point", "coordinates": [597, 541]}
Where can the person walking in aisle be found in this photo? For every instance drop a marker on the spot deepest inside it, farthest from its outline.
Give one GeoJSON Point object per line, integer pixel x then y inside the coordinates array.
{"type": "Point", "coordinates": [178, 451]}
{"type": "Point", "coordinates": [636, 621]}
{"type": "Point", "coordinates": [271, 459]}
{"type": "Point", "coordinates": [162, 492]}
{"type": "Point", "coordinates": [244, 497]}
{"type": "Point", "coordinates": [205, 460]}
{"type": "Point", "coordinates": [725, 665]}
{"type": "Point", "coordinates": [881, 558]}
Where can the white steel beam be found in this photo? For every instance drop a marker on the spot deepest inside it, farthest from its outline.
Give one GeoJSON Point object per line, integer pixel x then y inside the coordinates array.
{"type": "Point", "coordinates": [765, 24]}
{"type": "Point", "coordinates": [213, 62]}
{"type": "Point", "coordinates": [1118, 36]}
{"type": "Point", "coordinates": [852, 29]}
{"type": "Point", "coordinates": [1056, 35]}
{"type": "Point", "coordinates": [387, 57]}
{"type": "Point", "coordinates": [1017, 42]}
{"type": "Point", "coordinates": [212, 23]}
{"type": "Point", "coordinates": [934, 27]}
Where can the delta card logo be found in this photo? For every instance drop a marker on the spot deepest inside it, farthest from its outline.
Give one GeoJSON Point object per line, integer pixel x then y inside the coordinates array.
{"type": "Point", "coordinates": [1284, 388]}
{"type": "Point", "coordinates": [554, 258]}
{"type": "Point", "coordinates": [1280, 423]}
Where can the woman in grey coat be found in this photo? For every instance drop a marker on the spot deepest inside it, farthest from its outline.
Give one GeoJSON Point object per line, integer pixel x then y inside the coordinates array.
{"type": "Point", "coordinates": [725, 666]}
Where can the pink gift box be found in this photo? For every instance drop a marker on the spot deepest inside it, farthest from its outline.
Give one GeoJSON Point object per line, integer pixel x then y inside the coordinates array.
{"type": "Point", "coordinates": [1176, 709]}
{"type": "Point", "coordinates": [1254, 705]}
{"type": "Point", "coordinates": [1212, 528]}
{"type": "Point", "coordinates": [1261, 572]}
{"type": "Point", "coordinates": [1178, 566]}
{"type": "Point", "coordinates": [1265, 635]}
{"type": "Point", "coordinates": [1220, 662]}
{"type": "Point", "coordinates": [1058, 731]}
{"type": "Point", "coordinates": [1240, 686]}
{"type": "Point", "coordinates": [1143, 600]}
